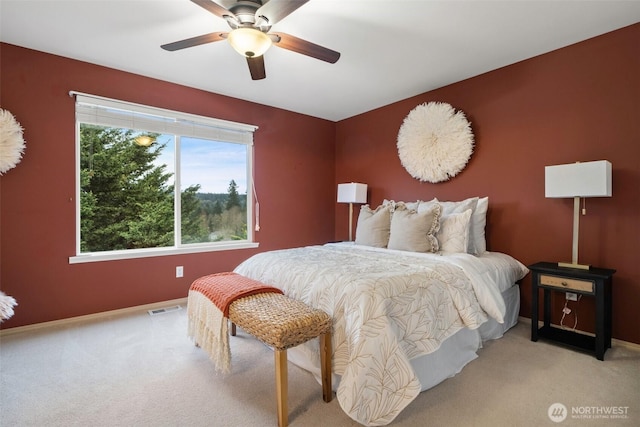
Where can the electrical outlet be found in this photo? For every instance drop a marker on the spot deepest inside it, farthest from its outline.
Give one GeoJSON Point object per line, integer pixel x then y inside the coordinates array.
{"type": "Point", "coordinates": [572, 297]}
{"type": "Point", "coordinates": [179, 271]}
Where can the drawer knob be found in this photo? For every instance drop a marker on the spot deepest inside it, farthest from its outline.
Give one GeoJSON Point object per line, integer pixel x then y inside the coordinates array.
{"type": "Point", "coordinates": [564, 283]}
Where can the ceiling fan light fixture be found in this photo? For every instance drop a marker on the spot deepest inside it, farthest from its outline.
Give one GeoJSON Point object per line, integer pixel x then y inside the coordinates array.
{"type": "Point", "coordinates": [144, 140]}
{"type": "Point", "coordinates": [249, 42]}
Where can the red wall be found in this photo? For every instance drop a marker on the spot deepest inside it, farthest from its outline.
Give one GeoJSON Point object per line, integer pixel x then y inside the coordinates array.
{"type": "Point", "coordinates": [579, 103]}
{"type": "Point", "coordinates": [294, 169]}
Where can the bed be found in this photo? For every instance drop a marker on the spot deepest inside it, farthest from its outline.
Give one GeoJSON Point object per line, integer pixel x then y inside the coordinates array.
{"type": "Point", "coordinates": [403, 320]}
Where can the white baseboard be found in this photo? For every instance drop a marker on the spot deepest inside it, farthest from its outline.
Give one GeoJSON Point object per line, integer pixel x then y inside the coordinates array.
{"type": "Point", "coordinates": [92, 317]}
{"type": "Point", "coordinates": [614, 341]}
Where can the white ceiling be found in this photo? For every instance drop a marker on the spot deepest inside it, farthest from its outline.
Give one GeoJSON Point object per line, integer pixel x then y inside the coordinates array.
{"type": "Point", "coordinates": [391, 50]}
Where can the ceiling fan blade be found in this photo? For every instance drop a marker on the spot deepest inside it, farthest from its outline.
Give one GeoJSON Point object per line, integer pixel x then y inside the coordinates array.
{"type": "Point", "coordinates": [289, 42]}
{"type": "Point", "coordinates": [275, 10]}
{"type": "Point", "coordinates": [214, 8]}
{"type": "Point", "coordinates": [256, 67]}
{"type": "Point", "coordinates": [194, 41]}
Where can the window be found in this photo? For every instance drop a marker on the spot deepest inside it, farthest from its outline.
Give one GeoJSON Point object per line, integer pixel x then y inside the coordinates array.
{"type": "Point", "coordinates": [152, 181]}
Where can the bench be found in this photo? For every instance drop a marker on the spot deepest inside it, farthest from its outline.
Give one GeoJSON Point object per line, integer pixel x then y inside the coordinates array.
{"type": "Point", "coordinates": [281, 322]}
{"type": "Point", "coordinates": [264, 312]}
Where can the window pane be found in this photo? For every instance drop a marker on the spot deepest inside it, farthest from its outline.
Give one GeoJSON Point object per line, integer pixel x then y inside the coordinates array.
{"type": "Point", "coordinates": [213, 188]}
{"type": "Point", "coordinates": [134, 195]}
{"type": "Point", "coordinates": [126, 190]}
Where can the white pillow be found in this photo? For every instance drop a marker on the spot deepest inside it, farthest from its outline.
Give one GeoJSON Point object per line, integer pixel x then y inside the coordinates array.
{"type": "Point", "coordinates": [478, 224]}
{"type": "Point", "coordinates": [449, 208]}
{"type": "Point", "coordinates": [413, 231]}
{"type": "Point", "coordinates": [373, 226]}
{"type": "Point", "coordinates": [454, 232]}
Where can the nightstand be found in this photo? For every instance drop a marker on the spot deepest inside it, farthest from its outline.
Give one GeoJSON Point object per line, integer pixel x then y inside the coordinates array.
{"type": "Point", "coordinates": [595, 282]}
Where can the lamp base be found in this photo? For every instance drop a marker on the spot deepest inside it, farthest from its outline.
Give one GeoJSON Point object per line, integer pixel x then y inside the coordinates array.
{"type": "Point", "coordinates": [574, 265]}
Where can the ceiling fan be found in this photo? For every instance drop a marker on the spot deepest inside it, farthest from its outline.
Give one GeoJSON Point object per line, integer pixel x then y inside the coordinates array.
{"type": "Point", "coordinates": [250, 22]}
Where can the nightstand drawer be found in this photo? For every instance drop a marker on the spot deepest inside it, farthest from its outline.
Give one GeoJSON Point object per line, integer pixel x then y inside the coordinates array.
{"type": "Point", "coordinates": [564, 283]}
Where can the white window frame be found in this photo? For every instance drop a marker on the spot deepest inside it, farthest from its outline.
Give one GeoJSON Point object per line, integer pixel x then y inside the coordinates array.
{"type": "Point", "coordinates": [110, 112]}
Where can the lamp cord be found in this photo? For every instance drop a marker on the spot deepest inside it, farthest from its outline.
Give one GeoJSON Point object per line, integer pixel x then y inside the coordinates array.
{"type": "Point", "coordinates": [566, 310]}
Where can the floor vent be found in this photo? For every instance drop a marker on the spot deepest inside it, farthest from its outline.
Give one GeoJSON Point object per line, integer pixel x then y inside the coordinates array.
{"type": "Point", "coordinates": [164, 310]}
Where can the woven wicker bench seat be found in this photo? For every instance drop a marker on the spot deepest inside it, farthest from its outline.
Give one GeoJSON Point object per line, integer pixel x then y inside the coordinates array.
{"type": "Point", "coordinates": [282, 323]}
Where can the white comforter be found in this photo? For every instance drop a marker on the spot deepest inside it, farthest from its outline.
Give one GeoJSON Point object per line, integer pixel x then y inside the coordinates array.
{"type": "Point", "coordinates": [388, 307]}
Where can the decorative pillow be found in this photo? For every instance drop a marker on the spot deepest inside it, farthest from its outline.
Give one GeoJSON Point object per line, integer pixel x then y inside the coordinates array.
{"type": "Point", "coordinates": [413, 231]}
{"type": "Point", "coordinates": [373, 226]}
{"type": "Point", "coordinates": [454, 232]}
{"type": "Point", "coordinates": [425, 206]}
{"type": "Point", "coordinates": [449, 208]}
{"type": "Point", "coordinates": [394, 204]}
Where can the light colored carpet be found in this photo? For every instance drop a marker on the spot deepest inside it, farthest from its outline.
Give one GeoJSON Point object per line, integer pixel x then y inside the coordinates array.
{"type": "Point", "coordinates": [141, 370]}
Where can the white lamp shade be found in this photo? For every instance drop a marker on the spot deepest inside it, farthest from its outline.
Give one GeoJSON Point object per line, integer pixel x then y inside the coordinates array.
{"type": "Point", "coordinates": [352, 192]}
{"type": "Point", "coordinates": [588, 179]}
{"type": "Point", "coordinates": [249, 41]}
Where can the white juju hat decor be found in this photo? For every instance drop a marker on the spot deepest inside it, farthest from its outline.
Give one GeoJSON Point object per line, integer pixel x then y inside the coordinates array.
{"type": "Point", "coordinates": [11, 141]}
{"type": "Point", "coordinates": [6, 306]}
{"type": "Point", "coordinates": [435, 142]}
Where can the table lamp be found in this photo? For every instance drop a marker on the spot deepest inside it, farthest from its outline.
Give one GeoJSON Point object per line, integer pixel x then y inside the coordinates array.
{"type": "Point", "coordinates": [588, 179]}
{"type": "Point", "coordinates": [352, 193]}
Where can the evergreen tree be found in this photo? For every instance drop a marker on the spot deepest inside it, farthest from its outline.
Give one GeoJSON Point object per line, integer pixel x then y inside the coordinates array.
{"type": "Point", "coordinates": [126, 201]}
{"type": "Point", "coordinates": [194, 225]}
{"type": "Point", "coordinates": [233, 199]}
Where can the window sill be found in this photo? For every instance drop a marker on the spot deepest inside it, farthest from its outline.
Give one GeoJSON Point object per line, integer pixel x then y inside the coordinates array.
{"type": "Point", "coordinates": [146, 253]}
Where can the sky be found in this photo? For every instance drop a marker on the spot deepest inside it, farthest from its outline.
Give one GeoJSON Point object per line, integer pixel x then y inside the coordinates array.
{"type": "Point", "coordinates": [208, 163]}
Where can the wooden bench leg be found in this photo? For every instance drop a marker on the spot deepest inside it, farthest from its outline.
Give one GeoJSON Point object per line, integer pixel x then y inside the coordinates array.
{"type": "Point", "coordinates": [281, 387]}
{"type": "Point", "coordinates": [325, 366]}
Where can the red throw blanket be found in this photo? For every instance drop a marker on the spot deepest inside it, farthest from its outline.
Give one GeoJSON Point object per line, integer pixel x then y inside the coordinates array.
{"type": "Point", "coordinates": [224, 288]}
